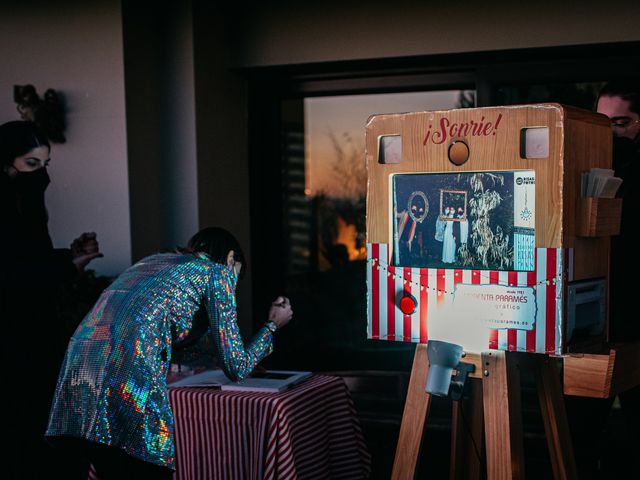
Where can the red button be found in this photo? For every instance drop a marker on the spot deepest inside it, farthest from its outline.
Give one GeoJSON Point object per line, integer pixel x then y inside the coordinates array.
{"type": "Point", "coordinates": [408, 304]}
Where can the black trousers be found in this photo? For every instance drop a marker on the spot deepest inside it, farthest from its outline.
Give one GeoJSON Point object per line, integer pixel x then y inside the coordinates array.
{"type": "Point", "coordinates": [111, 463]}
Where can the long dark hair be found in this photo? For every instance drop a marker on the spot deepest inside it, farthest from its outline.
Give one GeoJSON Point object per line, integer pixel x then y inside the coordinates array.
{"type": "Point", "coordinates": [18, 138]}
{"type": "Point", "coordinates": [216, 242]}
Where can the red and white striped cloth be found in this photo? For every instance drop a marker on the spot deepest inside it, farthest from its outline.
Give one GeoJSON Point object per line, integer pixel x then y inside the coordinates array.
{"type": "Point", "coordinates": [433, 289]}
{"type": "Point", "coordinates": [310, 431]}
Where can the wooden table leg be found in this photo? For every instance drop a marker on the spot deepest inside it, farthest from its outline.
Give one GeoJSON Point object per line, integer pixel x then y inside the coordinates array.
{"type": "Point", "coordinates": [416, 410]}
{"type": "Point", "coordinates": [503, 416]}
{"type": "Point", "coordinates": [554, 417]}
{"type": "Point", "coordinates": [467, 446]}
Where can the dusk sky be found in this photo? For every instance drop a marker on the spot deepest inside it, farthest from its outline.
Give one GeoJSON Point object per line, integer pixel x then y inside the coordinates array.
{"type": "Point", "coordinates": [345, 116]}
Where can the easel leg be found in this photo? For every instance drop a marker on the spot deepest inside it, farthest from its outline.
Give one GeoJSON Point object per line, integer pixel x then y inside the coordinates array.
{"type": "Point", "coordinates": [555, 419]}
{"type": "Point", "coordinates": [466, 435]}
{"type": "Point", "coordinates": [416, 410]}
{"type": "Point", "coordinates": [503, 416]}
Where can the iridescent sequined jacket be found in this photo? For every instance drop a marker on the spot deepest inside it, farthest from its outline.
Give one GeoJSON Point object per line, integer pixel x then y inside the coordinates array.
{"type": "Point", "coordinates": [112, 385]}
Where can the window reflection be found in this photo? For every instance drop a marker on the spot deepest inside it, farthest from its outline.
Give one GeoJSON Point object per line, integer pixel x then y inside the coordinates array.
{"type": "Point", "coordinates": [325, 183]}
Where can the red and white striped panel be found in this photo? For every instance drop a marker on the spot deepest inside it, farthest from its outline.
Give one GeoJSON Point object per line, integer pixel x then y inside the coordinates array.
{"type": "Point", "coordinates": [310, 431]}
{"type": "Point", "coordinates": [433, 289]}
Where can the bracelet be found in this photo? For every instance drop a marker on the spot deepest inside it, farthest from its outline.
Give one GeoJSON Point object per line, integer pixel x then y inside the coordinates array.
{"type": "Point", "coordinates": [271, 325]}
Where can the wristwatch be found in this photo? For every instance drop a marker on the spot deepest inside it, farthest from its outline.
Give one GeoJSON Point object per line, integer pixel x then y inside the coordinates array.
{"type": "Point", "coordinates": [271, 325]}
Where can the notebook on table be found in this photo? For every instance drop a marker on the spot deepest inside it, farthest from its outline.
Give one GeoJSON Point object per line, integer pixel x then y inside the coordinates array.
{"type": "Point", "coordinates": [264, 381]}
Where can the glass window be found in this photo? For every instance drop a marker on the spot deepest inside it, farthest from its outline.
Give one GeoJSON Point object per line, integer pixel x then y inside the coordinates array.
{"type": "Point", "coordinates": [325, 182]}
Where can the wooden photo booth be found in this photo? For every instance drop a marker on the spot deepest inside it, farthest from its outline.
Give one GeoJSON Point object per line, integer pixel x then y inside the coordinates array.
{"type": "Point", "coordinates": [505, 182]}
{"type": "Point", "coordinates": [478, 235]}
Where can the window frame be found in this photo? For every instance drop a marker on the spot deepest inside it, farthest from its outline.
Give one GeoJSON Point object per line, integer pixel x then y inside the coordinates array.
{"type": "Point", "coordinates": [268, 87]}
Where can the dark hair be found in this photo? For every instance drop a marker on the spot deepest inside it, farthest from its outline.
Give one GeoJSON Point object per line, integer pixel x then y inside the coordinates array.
{"type": "Point", "coordinates": [216, 242]}
{"type": "Point", "coordinates": [626, 89]}
{"type": "Point", "coordinates": [18, 138]}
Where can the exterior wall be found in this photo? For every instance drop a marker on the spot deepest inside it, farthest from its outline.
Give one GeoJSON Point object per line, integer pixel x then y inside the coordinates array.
{"type": "Point", "coordinates": [76, 49]}
{"type": "Point", "coordinates": [279, 33]}
{"type": "Point", "coordinates": [160, 99]}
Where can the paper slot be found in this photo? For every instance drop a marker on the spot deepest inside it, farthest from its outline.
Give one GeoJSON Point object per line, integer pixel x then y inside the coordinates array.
{"type": "Point", "coordinates": [599, 183]}
{"type": "Point", "coordinates": [599, 217]}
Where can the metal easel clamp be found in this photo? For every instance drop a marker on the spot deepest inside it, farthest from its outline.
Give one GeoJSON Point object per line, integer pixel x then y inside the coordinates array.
{"type": "Point", "coordinates": [457, 389]}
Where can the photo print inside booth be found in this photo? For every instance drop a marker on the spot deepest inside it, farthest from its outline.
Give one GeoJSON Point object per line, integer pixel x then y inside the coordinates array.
{"type": "Point", "coordinates": [480, 220]}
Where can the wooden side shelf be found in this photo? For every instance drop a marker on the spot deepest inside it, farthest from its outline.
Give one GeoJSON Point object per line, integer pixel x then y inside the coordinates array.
{"type": "Point", "coordinates": [602, 375]}
{"type": "Point", "coordinates": [599, 217]}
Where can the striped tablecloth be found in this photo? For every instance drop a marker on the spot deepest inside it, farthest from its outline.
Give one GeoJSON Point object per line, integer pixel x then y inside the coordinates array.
{"type": "Point", "coordinates": [308, 432]}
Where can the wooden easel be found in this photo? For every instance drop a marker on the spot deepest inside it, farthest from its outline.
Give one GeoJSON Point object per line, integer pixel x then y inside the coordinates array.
{"type": "Point", "coordinates": [574, 141]}
{"type": "Point", "coordinates": [497, 406]}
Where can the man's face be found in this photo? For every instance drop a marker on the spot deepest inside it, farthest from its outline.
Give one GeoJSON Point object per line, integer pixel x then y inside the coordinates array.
{"type": "Point", "coordinates": [624, 122]}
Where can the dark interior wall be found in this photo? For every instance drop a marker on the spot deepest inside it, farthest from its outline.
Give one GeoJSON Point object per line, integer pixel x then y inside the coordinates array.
{"type": "Point", "coordinates": [143, 71]}
{"type": "Point", "coordinates": [221, 130]}
{"type": "Point", "coordinates": [174, 55]}
{"type": "Point", "coordinates": [220, 122]}
{"type": "Point", "coordinates": [160, 103]}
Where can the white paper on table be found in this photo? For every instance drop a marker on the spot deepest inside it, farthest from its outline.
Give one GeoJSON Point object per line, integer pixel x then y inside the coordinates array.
{"type": "Point", "coordinates": [269, 381]}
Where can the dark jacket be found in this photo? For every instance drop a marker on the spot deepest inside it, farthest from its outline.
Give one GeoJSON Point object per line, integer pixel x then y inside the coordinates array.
{"type": "Point", "coordinates": [33, 342]}
{"type": "Point", "coordinates": [624, 325]}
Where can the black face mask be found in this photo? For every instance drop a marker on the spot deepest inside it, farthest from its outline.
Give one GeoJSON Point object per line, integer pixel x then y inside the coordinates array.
{"type": "Point", "coordinates": [33, 182]}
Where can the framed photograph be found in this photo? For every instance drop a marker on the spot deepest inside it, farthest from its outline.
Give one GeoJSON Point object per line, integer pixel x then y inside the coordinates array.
{"type": "Point", "coordinates": [477, 220]}
{"type": "Point", "coordinates": [453, 205]}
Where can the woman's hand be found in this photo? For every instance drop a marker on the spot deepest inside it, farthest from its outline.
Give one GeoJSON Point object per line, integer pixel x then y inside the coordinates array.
{"type": "Point", "coordinates": [84, 249]}
{"type": "Point", "coordinates": [280, 312]}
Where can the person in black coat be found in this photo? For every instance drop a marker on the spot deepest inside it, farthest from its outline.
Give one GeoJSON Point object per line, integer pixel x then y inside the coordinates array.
{"type": "Point", "coordinates": [620, 101]}
{"type": "Point", "coordinates": [589, 418]}
{"type": "Point", "coordinates": [31, 274]}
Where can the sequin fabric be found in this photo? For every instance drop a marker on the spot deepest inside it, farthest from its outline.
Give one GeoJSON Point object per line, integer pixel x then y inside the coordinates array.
{"type": "Point", "coordinates": [112, 385]}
